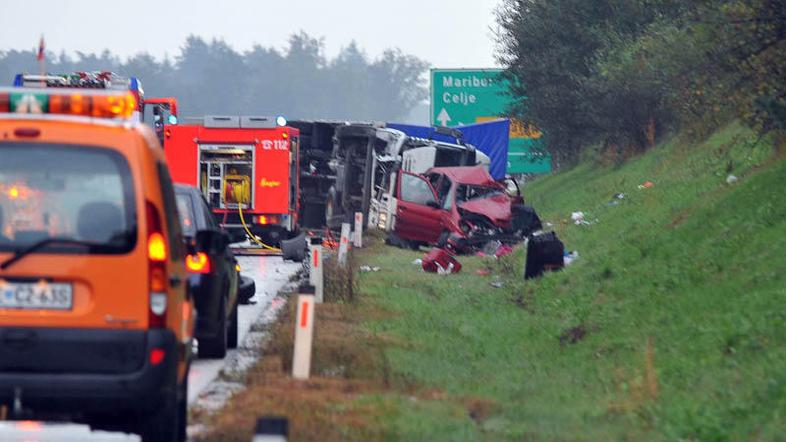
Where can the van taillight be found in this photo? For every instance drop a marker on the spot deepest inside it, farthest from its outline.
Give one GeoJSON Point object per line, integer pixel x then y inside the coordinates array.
{"type": "Point", "coordinates": [156, 247]}
{"type": "Point", "coordinates": [157, 255]}
{"type": "Point", "coordinates": [198, 263]}
{"type": "Point", "coordinates": [157, 356]}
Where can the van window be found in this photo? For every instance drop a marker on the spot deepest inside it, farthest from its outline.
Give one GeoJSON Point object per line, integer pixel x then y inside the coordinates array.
{"type": "Point", "coordinates": [67, 192]}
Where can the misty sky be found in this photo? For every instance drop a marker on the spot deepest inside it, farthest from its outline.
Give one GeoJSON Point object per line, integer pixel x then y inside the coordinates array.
{"type": "Point", "coordinates": [445, 33]}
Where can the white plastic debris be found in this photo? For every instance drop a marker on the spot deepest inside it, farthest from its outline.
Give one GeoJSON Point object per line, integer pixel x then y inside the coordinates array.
{"type": "Point", "coordinates": [731, 179]}
{"type": "Point", "coordinates": [417, 262]}
{"type": "Point", "coordinates": [570, 257]}
{"type": "Point", "coordinates": [365, 269]}
{"type": "Point", "coordinates": [444, 271]}
{"type": "Point", "coordinates": [578, 219]}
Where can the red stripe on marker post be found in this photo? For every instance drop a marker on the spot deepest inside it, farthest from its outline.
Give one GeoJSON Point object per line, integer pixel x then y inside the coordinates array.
{"type": "Point", "coordinates": [304, 333]}
{"type": "Point", "coordinates": [304, 315]}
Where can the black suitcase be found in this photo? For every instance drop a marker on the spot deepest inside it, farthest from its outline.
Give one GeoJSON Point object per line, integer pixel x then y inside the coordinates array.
{"type": "Point", "coordinates": [544, 252]}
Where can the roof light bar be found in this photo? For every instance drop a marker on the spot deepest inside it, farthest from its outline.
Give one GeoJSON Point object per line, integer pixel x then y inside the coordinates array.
{"type": "Point", "coordinates": [77, 102]}
{"type": "Point", "coordinates": [87, 80]}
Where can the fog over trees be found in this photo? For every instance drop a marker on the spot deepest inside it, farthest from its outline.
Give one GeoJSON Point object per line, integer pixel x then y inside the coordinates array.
{"type": "Point", "coordinates": [210, 77]}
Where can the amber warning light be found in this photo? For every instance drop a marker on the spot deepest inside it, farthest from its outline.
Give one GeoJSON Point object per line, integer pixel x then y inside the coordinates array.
{"type": "Point", "coordinates": [80, 102]}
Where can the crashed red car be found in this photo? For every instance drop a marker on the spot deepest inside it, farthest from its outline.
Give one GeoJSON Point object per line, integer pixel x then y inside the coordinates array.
{"type": "Point", "coordinates": [459, 207]}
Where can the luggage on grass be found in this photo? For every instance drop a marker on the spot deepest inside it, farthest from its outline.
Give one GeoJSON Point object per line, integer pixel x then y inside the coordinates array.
{"type": "Point", "coordinates": [545, 252]}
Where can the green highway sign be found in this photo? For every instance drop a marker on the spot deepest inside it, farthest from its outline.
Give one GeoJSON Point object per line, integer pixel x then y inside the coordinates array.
{"type": "Point", "coordinates": [468, 96]}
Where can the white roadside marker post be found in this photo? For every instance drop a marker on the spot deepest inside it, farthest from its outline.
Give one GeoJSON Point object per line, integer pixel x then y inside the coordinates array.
{"type": "Point", "coordinates": [358, 237]}
{"type": "Point", "coordinates": [315, 276]}
{"type": "Point", "coordinates": [271, 429]}
{"type": "Point", "coordinates": [343, 244]}
{"type": "Point", "coordinates": [304, 333]}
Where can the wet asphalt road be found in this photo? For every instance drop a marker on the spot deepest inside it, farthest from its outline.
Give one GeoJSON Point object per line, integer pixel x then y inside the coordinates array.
{"type": "Point", "coordinates": [270, 274]}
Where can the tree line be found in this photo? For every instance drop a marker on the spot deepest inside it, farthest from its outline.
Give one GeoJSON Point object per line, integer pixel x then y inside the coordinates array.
{"type": "Point", "coordinates": [622, 73]}
{"type": "Point", "coordinates": [210, 77]}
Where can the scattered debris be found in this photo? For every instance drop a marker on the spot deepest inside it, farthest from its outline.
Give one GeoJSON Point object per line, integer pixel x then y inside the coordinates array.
{"type": "Point", "coordinates": [503, 250]}
{"type": "Point", "coordinates": [366, 269]}
{"type": "Point", "coordinates": [440, 261]}
{"type": "Point", "coordinates": [580, 219]}
{"type": "Point", "coordinates": [417, 262]}
{"type": "Point", "coordinates": [731, 179]}
{"type": "Point", "coordinates": [497, 284]}
{"type": "Point", "coordinates": [573, 335]}
{"type": "Point", "coordinates": [490, 248]}
{"type": "Point", "coordinates": [483, 272]}
{"type": "Point", "coordinates": [646, 185]}
{"type": "Point", "coordinates": [451, 268]}
{"type": "Point", "coordinates": [615, 200]}
{"type": "Point", "coordinates": [570, 257]}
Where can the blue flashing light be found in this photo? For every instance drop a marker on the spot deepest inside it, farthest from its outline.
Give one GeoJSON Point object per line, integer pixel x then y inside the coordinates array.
{"type": "Point", "coordinates": [19, 80]}
{"type": "Point", "coordinates": [172, 120]}
{"type": "Point", "coordinates": [133, 84]}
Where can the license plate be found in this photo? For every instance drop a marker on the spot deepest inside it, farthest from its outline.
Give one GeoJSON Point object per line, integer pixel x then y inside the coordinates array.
{"type": "Point", "coordinates": [36, 296]}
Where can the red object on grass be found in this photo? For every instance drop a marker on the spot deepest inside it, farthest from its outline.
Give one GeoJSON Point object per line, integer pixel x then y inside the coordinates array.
{"type": "Point", "coordinates": [439, 259]}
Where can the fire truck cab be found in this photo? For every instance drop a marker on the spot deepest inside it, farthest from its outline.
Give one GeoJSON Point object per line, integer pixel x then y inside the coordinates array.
{"type": "Point", "coordinates": [246, 168]}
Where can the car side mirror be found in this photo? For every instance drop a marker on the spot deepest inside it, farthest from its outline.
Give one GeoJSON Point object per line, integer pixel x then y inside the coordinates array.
{"type": "Point", "coordinates": [212, 241]}
{"type": "Point", "coordinates": [433, 204]}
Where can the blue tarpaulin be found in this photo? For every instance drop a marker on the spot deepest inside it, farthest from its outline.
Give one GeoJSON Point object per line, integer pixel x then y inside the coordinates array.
{"type": "Point", "coordinates": [490, 138]}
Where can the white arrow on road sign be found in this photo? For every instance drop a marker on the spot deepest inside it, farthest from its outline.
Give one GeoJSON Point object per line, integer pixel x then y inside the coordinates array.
{"type": "Point", "coordinates": [443, 117]}
{"type": "Point", "coordinates": [28, 104]}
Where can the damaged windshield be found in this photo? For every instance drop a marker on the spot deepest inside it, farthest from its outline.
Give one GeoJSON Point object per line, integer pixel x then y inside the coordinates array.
{"type": "Point", "coordinates": [466, 192]}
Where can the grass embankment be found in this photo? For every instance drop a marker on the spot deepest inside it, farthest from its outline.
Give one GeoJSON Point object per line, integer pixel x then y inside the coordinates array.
{"type": "Point", "coordinates": [669, 326]}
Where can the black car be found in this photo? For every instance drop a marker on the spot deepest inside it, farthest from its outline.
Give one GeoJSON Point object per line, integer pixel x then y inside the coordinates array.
{"type": "Point", "coordinates": [213, 274]}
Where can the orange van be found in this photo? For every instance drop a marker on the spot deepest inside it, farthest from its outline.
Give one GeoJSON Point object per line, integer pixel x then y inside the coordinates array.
{"type": "Point", "coordinates": [95, 318]}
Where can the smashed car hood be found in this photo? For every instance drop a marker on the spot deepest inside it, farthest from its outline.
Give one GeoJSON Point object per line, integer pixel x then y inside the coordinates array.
{"type": "Point", "coordinates": [495, 207]}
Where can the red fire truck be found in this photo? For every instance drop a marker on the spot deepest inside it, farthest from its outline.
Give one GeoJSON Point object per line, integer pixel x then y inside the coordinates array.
{"type": "Point", "coordinates": [246, 167]}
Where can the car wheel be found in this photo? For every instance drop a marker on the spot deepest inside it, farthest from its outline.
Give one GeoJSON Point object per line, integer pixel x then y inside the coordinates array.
{"type": "Point", "coordinates": [182, 411]}
{"type": "Point", "coordinates": [233, 329]}
{"type": "Point", "coordinates": [168, 422]}
{"type": "Point", "coordinates": [216, 347]}
{"type": "Point", "coordinates": [246, 289]}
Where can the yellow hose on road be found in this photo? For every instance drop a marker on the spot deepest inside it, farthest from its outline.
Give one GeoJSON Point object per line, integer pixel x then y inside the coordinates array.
{"type": "Point", "coordinates": [251, 235]}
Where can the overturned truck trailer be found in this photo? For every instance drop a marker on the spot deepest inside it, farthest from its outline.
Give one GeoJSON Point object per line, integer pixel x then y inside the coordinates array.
{"type": "Point", "coordinates": [316, 177]}
{"type": "Point", "coordinates": [366, 159]}
{"type": "Point", "coordinates": [351, 167]}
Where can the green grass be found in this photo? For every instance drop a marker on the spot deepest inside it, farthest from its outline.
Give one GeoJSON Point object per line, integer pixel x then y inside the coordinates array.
{"type": "Point", "coordinates": [693, 266]}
